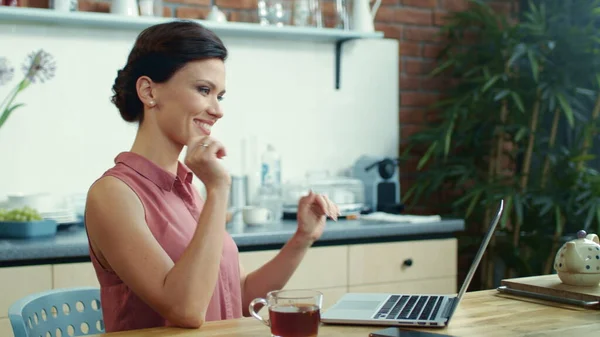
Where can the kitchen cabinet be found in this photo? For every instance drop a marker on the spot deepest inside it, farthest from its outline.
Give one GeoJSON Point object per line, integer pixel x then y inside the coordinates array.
{"type": "Point", "coordinates": [74, 275]}
{"type": "Point", "coordinates": [425, 266]}
{"type": "Point", "coordinates": [398, 266]}
{"type": "Point", "coordinates": [18, 282]}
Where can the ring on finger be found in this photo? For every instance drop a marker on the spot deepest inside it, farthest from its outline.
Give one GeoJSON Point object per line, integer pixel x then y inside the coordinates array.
{"type": "Point", "coordinates": [204, 145]}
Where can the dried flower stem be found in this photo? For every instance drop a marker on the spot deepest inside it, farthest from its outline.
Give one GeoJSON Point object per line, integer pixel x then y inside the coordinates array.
{"type": "Point", "coordinates": [8, 108]}
{"type": "Point", "coordinates": [40, 67]}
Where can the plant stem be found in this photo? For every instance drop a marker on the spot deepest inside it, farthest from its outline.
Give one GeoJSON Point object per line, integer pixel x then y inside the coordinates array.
{"type": "Point", "coordinates": [551, 142]}
{"type": "Point", "coordinates": [10, 96]}
{"type": "Point", "coordinates": [6, 105]}
{"type": "Point", "coordinates": [589, 132]}
{"type": "Point", "coordinates": [494, 169]}
{"type": "Point", "coordinates": [557, 234]}
{"type": "Point", "coordinates": [527, 162]}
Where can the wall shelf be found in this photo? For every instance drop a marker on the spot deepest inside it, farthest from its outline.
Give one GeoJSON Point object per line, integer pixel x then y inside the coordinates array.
{"type": "Point", "coordinates": [19, 15]}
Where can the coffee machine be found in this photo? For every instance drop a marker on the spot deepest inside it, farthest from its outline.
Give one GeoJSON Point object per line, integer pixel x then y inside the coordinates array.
{"type": "Point", "coordinates": [381, 178]}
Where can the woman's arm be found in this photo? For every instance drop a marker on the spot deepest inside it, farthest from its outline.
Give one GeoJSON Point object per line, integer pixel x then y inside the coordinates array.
{"type": "Point", "coordinates": [313, 211]}
{"type": "Point", "coordinates": [181, 291]}
{"type": "Point", "coordinates": [274, 274]}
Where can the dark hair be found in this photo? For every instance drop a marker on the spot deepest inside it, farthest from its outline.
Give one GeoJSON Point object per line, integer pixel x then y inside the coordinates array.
{"type": "Point", "coordinates": [160, 51]}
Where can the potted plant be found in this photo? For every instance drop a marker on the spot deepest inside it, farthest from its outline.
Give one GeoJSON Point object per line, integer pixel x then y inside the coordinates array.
{"type": "Point", "coordinates": [519, 123]}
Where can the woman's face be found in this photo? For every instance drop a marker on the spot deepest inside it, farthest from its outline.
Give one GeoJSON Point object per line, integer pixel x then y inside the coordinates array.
{"type": "Point", "coordinates": [188, 104]}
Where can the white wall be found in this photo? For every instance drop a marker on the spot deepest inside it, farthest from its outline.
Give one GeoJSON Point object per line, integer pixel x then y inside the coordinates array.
{"type": "Point", "coordinates": [277, 91]}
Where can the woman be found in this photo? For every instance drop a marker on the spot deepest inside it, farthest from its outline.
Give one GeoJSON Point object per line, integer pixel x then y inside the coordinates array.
{"type": "Point", "coordinates": [161, 254]}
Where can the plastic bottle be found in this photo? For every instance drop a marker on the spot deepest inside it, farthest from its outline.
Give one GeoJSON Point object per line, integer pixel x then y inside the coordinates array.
{"type": "Point", "coordinates": [270, 167]}
{"type": "Point", "coordinates": [270, 192]}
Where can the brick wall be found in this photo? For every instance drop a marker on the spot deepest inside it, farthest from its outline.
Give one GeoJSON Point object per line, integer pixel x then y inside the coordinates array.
{"type": "Point", "coordinates": [415, 23]}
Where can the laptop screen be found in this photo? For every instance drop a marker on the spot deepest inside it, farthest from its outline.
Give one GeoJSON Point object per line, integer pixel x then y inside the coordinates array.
{"type": "Point", "coordinates": [478, 256]}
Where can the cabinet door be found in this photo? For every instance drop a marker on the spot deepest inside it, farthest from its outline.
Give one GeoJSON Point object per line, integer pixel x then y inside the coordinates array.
{"type": "Point", "coordinates": [437, 286]}
{"type": "Point", "coordinates": [314, 272]}
{"type": "Point", "coordinates": [74, 275]}
{"type": "Point", "coordinates": [5, 328]}
{"type": "Point", "coordinates": [402, 261]}
{"type": "Point", "coordinates": [18, 282]}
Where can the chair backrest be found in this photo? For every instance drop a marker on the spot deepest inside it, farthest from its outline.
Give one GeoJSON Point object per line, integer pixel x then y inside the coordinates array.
{"type": "Point", "coordinates": [58, 312]}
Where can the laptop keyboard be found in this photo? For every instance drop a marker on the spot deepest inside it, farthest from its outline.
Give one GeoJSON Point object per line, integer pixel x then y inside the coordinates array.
{"type": "Point", "coordinates": [410, 307]}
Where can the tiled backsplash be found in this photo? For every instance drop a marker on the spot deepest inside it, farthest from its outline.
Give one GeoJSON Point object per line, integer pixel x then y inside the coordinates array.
{"type": "Point", "coordinates": [277, 91]}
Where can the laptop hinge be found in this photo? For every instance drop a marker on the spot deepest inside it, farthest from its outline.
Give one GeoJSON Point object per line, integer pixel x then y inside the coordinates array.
{"type": "Point", "coordinates": [448, 307]}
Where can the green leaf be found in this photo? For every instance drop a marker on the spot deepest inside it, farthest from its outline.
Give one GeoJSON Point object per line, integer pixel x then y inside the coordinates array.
{"type": "Point", "coordinates": [520, 134]}
{"type": "Point", "coordinates": [426, 156]}
{"type": "Point", "coordinates": [448, 138]}
{"type": "Point", "coordinates": [585, 91]}
{"type": "Point", "coordinates": [590, 217]}
{"type": "Point", "coordinates": [506, 213]}
{"type": "Point", "coordinates": [598, 218]}
{"type": "Point", "coordinates": [500, 95]}
{"type": "Point", "coordinates": [473, 202]}
{"type": "Point", "coordinates": [583, 157]}
{"type": "Point", "coordinates": [517, 101]}
{"type": "Point", "coordinates": [519, 208]}
{"type": "Point", "coordinates": [490, 82]}
{"type": "Point", "coordinates": [558, 219]}
{"type": "Point", "coordinates": [566, 107]}
{"type": "Point", "coordinates": [519, 51]}
{"type": "Point", "coordinates": [445, 65]}
{"type": "Point", "coordinates": [535, 69]}
{"type": "Point", "coordinates": [7, 113]}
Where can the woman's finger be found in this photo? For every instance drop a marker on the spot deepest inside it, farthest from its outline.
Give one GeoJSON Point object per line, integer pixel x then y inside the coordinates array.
{"type": "Point", "coordinates": [321, 205]}
{"type": "Point", "coordinates": [331, 208]}
{"type": "Point", "coordinates": [217, 149]}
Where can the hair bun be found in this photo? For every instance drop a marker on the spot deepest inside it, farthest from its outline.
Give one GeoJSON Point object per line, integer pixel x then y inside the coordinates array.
{"type": "Point", "coordinates": [125, 96]}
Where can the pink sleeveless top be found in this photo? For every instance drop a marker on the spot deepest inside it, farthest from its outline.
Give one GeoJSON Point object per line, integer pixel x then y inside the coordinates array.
{"type": "Point", "coordinates": [172, 206]}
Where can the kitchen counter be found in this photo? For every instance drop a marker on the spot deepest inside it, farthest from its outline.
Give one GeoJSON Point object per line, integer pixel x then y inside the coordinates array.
{"type": "Point", "coordinates": [70, 244]}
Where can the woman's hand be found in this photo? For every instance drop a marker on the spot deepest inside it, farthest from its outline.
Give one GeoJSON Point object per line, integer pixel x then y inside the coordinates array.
{"type": "Point", "coordinates": [313, 211]}
{"type": "Point", "coordinates": [202, 158]}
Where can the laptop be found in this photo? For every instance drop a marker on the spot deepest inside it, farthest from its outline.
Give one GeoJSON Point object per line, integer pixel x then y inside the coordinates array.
{"type": "Point", "coordinates": [396, 309]}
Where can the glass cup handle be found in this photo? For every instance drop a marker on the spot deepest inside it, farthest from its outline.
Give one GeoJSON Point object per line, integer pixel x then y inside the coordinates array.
{"type": "Point", "coordinates": [255, 314]}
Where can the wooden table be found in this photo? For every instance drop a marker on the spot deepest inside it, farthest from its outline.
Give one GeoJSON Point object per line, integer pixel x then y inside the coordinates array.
{"type": "Point", "coordinates": [482, 313]}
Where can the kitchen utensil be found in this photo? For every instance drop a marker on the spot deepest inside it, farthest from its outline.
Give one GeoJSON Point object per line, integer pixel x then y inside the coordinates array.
{"type": "Point", "coordinates": [275, 12]}
{"type": "Point", "coordinates": [578, 261]}
{"type": "Point", "coordinates": [254, 215]}
{"type": "Point", "coordinates": [124, 7]}
{"type": "Point", "coordinates": [363, 15]}
{"type": "Point", "coordinates": [27, 229]}
{"type": "Point", "coordinates": [216, 15]}
{"type": "Point", "coordinates": [307, 13]}
{"type": "Point", "coordinates": [342, 16]}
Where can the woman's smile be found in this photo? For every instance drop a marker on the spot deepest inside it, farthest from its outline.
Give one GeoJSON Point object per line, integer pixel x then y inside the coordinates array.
{"type": "Point", "coordinates": [204, 125]}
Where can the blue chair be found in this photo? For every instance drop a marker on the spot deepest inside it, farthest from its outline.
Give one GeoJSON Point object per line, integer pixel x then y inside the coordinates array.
{"type": "Point", "coordinates": [58, 312]}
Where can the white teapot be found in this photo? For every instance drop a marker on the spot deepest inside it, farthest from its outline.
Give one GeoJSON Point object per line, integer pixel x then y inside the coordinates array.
{"type": "Point", "coordinates": [577, 262]}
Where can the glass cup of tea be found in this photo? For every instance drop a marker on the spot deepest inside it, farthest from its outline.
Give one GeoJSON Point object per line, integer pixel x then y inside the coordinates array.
{"type": "Point", "coordinates": [291, 312]}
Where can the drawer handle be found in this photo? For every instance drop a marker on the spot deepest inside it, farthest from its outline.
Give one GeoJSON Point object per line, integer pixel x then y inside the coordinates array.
{"type": "Point", "coordinates": [408, 262]}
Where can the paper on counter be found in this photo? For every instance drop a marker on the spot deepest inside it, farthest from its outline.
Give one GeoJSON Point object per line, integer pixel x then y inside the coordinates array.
{"type": "Point", "coordinates": [388, 217]}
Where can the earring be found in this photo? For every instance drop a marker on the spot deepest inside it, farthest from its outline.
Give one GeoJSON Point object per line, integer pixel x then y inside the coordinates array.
{"type": "Point", "coordinates": [152, 104]}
